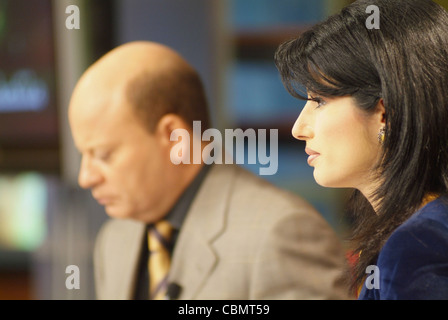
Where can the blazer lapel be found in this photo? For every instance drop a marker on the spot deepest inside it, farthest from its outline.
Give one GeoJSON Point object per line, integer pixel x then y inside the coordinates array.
{"type": "Point", "coordinates": [194, 257]}
{"type": "Point", "coordinates": [126, 264]}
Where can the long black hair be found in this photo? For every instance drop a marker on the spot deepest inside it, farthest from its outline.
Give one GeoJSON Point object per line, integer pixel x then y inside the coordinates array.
{"type": "Point", "coordinates": [404, 63]}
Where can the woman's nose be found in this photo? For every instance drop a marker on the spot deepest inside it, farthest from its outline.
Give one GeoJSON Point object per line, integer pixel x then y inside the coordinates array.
{"type": "Point", "coordinates": [302, 129]}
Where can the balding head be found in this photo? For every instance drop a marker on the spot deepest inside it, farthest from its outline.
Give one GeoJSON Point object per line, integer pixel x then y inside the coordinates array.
{"type": "Point", "coordinates": [122, 113]}
{"type": "Point", "coordinates": [153, 78]}
{"type": "Point", "coordinates": [133, 58]}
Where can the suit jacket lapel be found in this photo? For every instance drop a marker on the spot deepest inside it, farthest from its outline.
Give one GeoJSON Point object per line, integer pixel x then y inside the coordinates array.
{"type": "Point", "coordinates": [128, 261]}
{"type": "Point", "coordinates": [194, 257]}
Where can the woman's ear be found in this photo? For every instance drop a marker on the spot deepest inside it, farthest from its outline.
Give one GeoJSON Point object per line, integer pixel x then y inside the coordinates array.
{"type": "Point", "coordinates": [381, 110]}
{"type": "Point", "coordinates": [380, 121]}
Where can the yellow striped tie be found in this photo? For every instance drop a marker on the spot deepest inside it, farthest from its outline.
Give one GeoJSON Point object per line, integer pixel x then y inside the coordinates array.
{"type": "Point", "coordinates": [159, 259]}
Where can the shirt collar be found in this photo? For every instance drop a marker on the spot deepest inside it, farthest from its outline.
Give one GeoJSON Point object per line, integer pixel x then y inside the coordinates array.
{"type": "Point", "coordinates": [177, 214]}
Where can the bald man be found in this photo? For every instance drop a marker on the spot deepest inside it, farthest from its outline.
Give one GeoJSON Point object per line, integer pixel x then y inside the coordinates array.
{"type": "Point", "coordinates": [235, 236]}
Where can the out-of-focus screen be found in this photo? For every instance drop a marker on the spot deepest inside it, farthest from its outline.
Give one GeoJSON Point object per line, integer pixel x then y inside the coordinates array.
{"type": "Point", "coordinates": [23, 206]}
{"type": "Point", "coordinates": [29, 137]}
{"type": "Point", "coordinates": [29, 133]}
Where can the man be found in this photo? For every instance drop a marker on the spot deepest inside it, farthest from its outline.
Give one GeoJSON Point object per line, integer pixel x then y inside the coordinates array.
{"type": "Point", "coordinates": [235, 235]}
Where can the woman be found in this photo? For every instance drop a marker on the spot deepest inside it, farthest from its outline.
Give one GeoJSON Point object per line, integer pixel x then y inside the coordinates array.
{"type": "Point", "coordinates": [376, 120]}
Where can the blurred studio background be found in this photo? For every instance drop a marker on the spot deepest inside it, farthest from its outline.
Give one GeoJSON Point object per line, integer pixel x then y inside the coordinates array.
{"type": "Point", "coordinates": [46, 222]}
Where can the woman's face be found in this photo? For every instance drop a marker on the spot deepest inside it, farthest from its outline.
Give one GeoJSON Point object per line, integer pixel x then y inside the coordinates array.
{"type": "Point", "coordinates": [341, 141]}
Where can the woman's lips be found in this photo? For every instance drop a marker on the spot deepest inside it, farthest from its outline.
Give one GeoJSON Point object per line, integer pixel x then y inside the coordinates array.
{"type": "Point", "coordinates": [312, 155]}
{"type": "Point", "coordinates": [312, 158]}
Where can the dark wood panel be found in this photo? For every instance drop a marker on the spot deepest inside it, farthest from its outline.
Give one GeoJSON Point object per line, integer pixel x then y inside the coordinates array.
{"type": "Point", "coordinates": [15, 285]}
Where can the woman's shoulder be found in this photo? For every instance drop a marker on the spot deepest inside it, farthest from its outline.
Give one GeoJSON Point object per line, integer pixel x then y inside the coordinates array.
{"type": "Point", "coordinates": [427, 229]}
{"type": "Point", "coordinates": [413, 260]}
{"type": "Point", "coordinates": [433, 217]}
{"type": "Point", "coordinates": [434, 210]}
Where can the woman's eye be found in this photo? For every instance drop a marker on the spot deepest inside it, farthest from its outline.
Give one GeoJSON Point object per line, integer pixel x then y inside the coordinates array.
{"type": "Point", "coordinates": [320, 102]}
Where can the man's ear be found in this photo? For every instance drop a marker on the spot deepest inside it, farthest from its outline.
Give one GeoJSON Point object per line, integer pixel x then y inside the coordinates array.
{"type": "Point", "coordinates": [166, 125]}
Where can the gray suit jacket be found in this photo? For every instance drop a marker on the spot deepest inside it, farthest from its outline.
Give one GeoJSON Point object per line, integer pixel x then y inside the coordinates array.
{"type": "Point", "coordinates": [242, 239]}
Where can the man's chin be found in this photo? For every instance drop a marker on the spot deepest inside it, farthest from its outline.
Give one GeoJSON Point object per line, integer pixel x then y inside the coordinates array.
{"type": "Point", "coordinates": [117, 213]}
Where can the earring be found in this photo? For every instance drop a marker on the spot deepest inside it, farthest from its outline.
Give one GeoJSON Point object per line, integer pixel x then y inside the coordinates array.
{"type": "Point", "coordinates": [382, 135]}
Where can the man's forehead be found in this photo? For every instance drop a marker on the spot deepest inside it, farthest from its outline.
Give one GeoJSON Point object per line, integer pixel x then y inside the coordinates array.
{"type": "Point", "coordinates": [94, 96]}
{"type": "Point", "coordinates": [127, 61]}
{"type": "Point", "coordinates": [98, 116]}
{"type": "Point", "coordinates": [106, 81]}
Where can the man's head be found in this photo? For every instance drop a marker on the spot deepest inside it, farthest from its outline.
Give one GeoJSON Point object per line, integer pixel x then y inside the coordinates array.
{"type": "Point", "coordinates": [121, 114]}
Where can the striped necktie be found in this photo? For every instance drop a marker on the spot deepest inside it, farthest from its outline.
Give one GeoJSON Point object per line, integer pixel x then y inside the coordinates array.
{"type": "Point", "coordinates": [159, 259]}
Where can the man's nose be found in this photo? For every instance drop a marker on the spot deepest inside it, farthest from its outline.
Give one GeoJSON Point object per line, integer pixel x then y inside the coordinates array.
{"type": "Point", "coordinates": [89, 175]}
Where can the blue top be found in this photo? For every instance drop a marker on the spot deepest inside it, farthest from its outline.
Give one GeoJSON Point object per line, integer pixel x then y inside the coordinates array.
{"type": "Point", "coordinates": [413, 263]}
